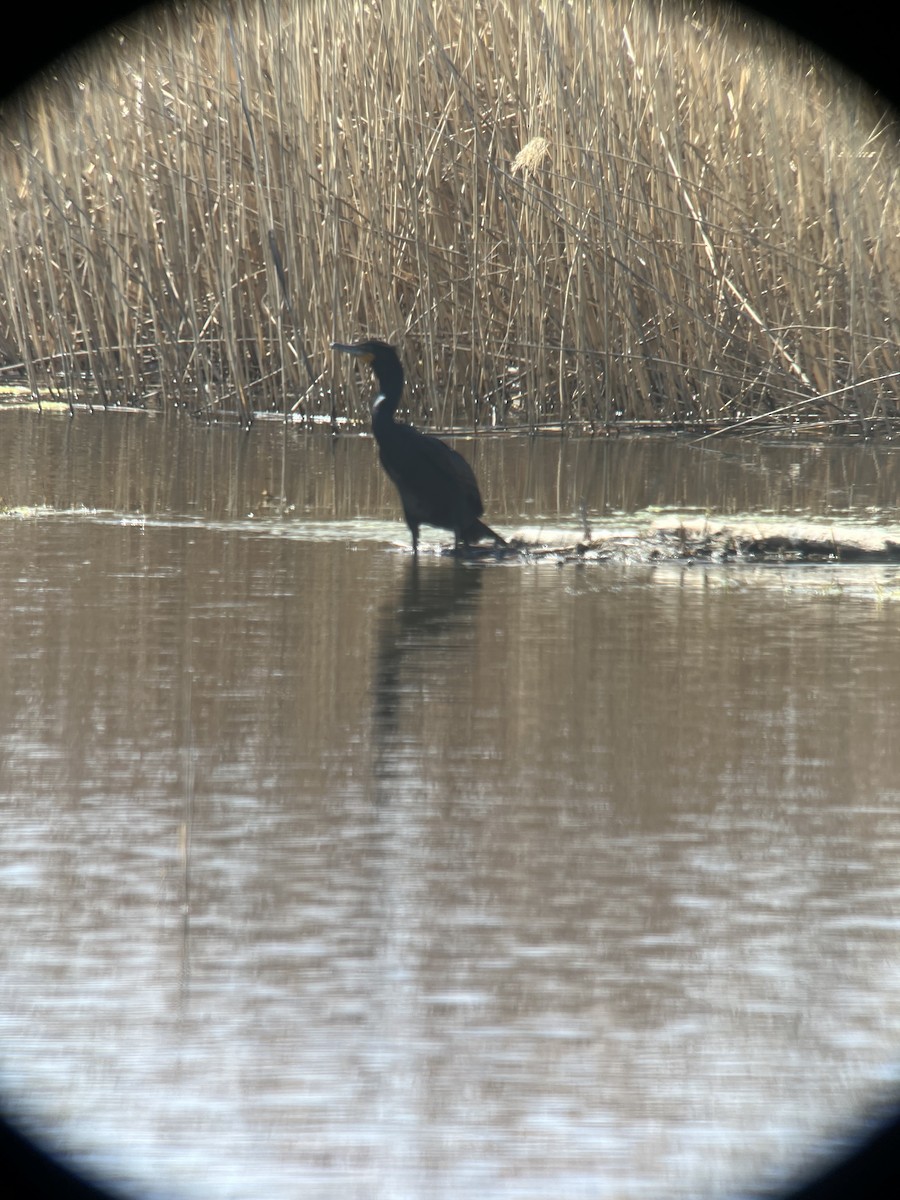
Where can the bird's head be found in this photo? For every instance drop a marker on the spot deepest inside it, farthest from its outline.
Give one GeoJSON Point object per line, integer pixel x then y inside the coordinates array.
{"type": "Point", "coordinates": [383, 360]}
{"type": "Point", "coordinates": [370, 352]}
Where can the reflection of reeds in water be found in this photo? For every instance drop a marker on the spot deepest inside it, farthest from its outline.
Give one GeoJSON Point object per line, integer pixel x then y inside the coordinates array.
{"type": "Point", "coordinates": [602, 214]}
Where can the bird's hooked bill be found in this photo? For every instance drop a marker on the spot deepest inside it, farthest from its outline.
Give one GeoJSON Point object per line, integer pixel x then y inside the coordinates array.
{"type": "Point", "coordinates": [359, 351]}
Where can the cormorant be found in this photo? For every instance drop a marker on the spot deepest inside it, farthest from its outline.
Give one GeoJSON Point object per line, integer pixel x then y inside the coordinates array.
{"type": "Point", "coordinates": [436, 484]}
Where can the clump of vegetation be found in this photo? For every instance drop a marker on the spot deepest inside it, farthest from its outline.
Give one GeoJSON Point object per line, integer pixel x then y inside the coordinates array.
{"type": "Point", "coordinates": [611, 215]}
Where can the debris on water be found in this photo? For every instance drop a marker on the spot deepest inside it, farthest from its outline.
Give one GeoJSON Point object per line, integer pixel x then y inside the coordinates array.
{"type": "Point", "coordinates": [748, 540]}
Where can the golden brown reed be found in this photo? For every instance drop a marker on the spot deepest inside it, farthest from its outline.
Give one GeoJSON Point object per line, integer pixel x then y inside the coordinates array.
{"type": "Point", "coordinates": [610, 214]}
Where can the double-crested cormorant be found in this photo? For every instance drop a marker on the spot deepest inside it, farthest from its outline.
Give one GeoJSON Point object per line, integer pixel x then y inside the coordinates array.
{"type": "Point", "coordinates": [436, 485]}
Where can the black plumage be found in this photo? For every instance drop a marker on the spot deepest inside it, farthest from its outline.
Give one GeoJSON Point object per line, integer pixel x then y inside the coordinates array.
{"type": "Point", "coordinates": [436, 484]}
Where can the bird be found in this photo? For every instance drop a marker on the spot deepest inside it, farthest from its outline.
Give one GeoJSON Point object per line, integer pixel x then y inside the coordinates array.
{"type": "Point", "coordinates": [436, 484]}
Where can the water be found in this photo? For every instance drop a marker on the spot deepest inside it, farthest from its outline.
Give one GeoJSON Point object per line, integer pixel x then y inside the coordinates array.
{"type": "Point", "coordinates": [326, 873]}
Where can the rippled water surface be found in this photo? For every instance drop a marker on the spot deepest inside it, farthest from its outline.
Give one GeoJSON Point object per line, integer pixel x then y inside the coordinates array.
{"type": "Point", "coordinates": [327, 873]}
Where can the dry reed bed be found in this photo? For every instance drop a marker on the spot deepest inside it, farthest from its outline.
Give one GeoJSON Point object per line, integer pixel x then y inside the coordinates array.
{"type": "Point", "coordinates": [568, 213]}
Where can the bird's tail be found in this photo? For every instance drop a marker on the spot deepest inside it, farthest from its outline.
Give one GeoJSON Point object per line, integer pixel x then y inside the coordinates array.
{"type": "Point", "coordinates": [478, 531]}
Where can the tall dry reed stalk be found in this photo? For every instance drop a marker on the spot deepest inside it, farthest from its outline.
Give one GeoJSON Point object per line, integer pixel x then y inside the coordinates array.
{"type": "Point", "coordinates": [613, 214]}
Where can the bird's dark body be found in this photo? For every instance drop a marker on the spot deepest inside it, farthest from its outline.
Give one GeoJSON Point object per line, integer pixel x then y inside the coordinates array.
{"type": "Point", "coordinates": [436, 484]}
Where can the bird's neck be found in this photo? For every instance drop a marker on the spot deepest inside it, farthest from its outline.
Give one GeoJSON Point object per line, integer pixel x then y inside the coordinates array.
{"type": "Point", "coordinates": [390, 380]}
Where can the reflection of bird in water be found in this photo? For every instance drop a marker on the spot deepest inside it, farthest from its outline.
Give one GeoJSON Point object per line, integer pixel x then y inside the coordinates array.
{"type": "Point", "coordinates": [426, 644]}
{"type": "Point", "coordinates": [436, 484]}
